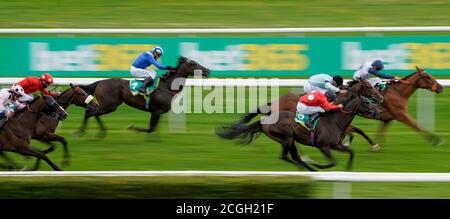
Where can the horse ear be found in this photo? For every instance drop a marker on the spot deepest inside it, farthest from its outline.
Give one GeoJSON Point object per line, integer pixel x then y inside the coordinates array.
{"type": "Point", "coordinates": [419, 69]}
{"type": "Point", "coordinates": [71, 85]}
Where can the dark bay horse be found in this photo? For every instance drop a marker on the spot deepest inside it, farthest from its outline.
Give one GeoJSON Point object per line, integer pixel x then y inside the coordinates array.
{"type": "Point", "coordinates": [16, 135]}
{"type": "Point", "coordinates": [330, 130]}
{"type": "Point", "coordinates": [46, 125]}
{"type": "Point", "coordinates": [110, 93]}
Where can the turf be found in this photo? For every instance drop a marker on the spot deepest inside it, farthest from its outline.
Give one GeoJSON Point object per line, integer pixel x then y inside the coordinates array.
{"type": "Point", "coordinates": [163, 187]}
{"type": "Point", "coordinates": [221, 13]}
{"type": "Point", "coordinates": [196, 146]}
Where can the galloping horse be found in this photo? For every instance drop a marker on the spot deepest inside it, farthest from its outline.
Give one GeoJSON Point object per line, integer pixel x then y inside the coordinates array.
{"type": "Point", "coordinates": [46, 125]}
{"type": "Point", "coordinates": [394, 106]}
{"type": "Point", "coordinates": [110, 93]}
{"type": "Point", "coordinates": [288, 102]}
{"type": "Point", "coordinates": [16, 134]}
{"type": "Point", "coordinates": [330, 129]}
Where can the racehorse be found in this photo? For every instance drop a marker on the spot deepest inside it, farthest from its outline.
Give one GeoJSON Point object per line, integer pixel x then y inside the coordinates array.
{"type": "Point", "coordinates": [46, 125]}
{"type": "Point", "coordinates": [17, 132]}
{"type": "Point", "coordinates": [394, 106]}
{"type": "Point", "coordinates": [330, 129]}
{"type": "Point", "coordinates": [288, 102]}
{"type": "Point", "coordinates": [110, 93]}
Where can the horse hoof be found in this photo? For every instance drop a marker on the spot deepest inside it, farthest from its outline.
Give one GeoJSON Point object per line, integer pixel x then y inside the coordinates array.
{"type": "Point", "coordinates": [65, 163]}
{"type": "Point", "coordinates": [131, 126]}
{"type": "Point", "coordinates": [307, 159]}
{"type": "Point", "coordinates": [375, 147]}
{"type": "Point", "coordinates": [437, 141]}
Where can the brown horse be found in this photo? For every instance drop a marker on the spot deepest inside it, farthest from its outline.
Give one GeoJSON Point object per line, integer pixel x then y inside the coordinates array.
{"type": "Point", "coordinates": [395, 104]}
{"type": "Point", "coordinates": [330, 129]}
{"type": "Point", "coordinates": [394, 107]}
{"type": "Point", "coordinates": [110, 93]}
{"type": "Point", "coordinates": [288, 102]}
{"type": "Point", "coordinates": [46, 125]}
{"type": "Point", "coordinates": [16, 134]}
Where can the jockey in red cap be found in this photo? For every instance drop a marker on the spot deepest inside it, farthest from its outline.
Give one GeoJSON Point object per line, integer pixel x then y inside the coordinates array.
{"type": "Point", "coordinates": [33, 84]}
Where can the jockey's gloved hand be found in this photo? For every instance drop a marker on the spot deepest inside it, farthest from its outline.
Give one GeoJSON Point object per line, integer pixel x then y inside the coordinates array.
{"type": "Point", "coordinates": [170, 68]}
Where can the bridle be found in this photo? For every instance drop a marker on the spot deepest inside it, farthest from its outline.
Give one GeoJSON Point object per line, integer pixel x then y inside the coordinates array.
{"type": "Point", "coordinates": [433, 86]}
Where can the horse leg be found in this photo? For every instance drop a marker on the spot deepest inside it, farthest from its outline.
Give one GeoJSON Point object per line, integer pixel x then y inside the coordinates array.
{"type": "Point", "coordinates": [363, 134]}
{"type": "Point", "coordinates": [11, 162]}
{"type": "Point", "coordinates": [406, 119]}
{"type": "Point", "coordinates": [294, 155]}
{"type": "Point", "coordinates": [344, 148]}
{"type": "Point", "coordinates": [31, 151]}
{"type": "Point", "coordinates": [102, 133]}
{"type": "Point", "coordinates": [327, 152]}
{"type": "Point", "coordinates": [53, 137]}
{"type": "Point", "coordinates": [153, 123]}
{"type": "Point", "coordinates": [380, 134]}
{"type": "Point", "coordinates": [351, 137]}
{"type": "Point", "coordinates": [46, 151]}
{"type": "Point", "coordinates": [83, 127]}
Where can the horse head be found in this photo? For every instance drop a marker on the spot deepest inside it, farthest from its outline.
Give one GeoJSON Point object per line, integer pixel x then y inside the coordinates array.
{"type": "Point", "coordinates": [364, 88]}
{"type": "Point", "coordinates": [425, 81]}
{"type": "Point", "coordinates": [52, 108]}
{"type": "Point", "coordinates": [187, 67]}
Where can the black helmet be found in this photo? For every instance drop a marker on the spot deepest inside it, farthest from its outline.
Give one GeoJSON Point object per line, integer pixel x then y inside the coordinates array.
{"type": "Point", "coordinates": [331, 96]}
{"type": "Point", "coordinates": [338, 79]}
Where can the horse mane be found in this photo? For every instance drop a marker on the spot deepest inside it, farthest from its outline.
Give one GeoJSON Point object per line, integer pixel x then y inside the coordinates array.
{"type": "Point", "coordinates": [18, 112]}
{"type": "Point", "coordinates": [409, 76]}
{"type": "Point", "coordinates": [181, 60]}
{"type": "Point", "coordinates": [65, 92]}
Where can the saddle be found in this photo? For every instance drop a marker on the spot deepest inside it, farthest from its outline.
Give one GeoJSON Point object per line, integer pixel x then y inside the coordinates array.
{"type": "Point", "coordinates": [136, 84]}
{"type": "Point", "coordinates": [303, 120]}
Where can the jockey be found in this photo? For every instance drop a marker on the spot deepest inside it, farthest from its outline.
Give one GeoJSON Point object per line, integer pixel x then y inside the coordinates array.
{"type": "Point", "coordinates": [323, 83]}
{"type": "Point", "coordinates": [9, 101]}
{"type": "Point", "coordinates": [33, 84]}
{"type": "Point", "coordinates": [373, 68]}
{"type": "Point", "coordinates": [145, 60]}
{"type": "Point", "coordinates": [316, 102]}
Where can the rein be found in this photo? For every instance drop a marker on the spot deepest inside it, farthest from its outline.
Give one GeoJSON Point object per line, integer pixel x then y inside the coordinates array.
{"type": "Point", "coordinates": [433, 86]}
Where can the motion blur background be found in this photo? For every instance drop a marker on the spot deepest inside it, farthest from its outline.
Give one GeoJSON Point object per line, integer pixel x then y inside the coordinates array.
{"type": "Point", "coordinates": [281, 55]}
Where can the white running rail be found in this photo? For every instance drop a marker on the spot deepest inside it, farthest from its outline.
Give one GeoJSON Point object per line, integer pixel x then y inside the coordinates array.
{"type": "Point", "coordinates": [318, 176]}
{"type": "Point", "coordinates": [201, 82]}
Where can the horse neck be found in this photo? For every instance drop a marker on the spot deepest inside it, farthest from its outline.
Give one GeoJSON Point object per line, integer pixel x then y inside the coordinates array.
{"type": "Point", "coordinates": [344, 119]}
{"type": "Point", "coordinates": [29, 119]}
{"type": "Point", "coordinates": [64, 99]}
{"type": "Point", "coordinates": [176, 78]}
{"type": "Point", "coordinates": [407, 89]}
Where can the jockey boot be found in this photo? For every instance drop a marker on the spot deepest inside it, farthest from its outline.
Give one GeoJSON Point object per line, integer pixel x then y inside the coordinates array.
{"type": "Point", "coordinates": [147, 83]}
{"type": "Point", "coordinates": [311, 119]}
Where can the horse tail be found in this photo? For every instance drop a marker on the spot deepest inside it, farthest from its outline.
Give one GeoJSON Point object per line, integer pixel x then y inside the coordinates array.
{"type": "Point", "coordinates": [90, 89]}
{"type": "Point", "coordinates": [249, 116]}
{"type": "Point", "coordinates": [241, 132]}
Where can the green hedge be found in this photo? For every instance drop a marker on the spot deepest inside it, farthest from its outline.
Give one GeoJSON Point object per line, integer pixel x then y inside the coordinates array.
{"type": "Point", "coordinates": [164, 187]}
